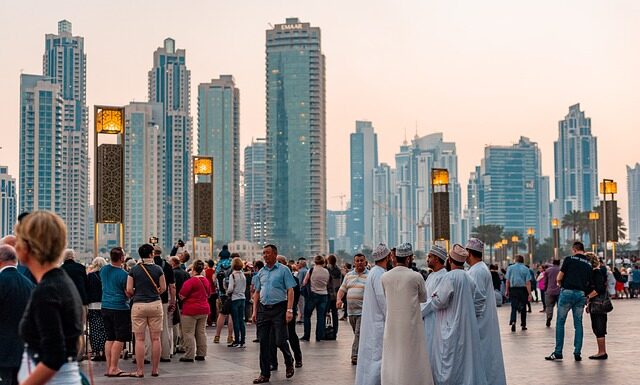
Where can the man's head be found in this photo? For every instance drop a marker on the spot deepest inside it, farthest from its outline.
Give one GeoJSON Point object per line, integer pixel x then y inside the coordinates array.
{"type": "Point", "coordinates": [117, 255]}
{"type": "Point", "coordinates": [381, 254]}
{"type": "Point", "coordinates": [404, 254]}
{"type": "Point", "coordinates": [556, 262]}
{"type": "Point", "coordinates": [157, 251]}
{"type": "Point", "coordinates": [475, 247]}
{"type": "Point", "coordinates": [282, 259]}
{"type": "Point", "coordinates": [457, 257]}
{"type": "Point", "coordinates": [436, 257]}
{"type": "Point", "coordinates": [185, 257]}
{"type": "Point", "coordinates": [210, 263]}
{"type": "Point", "coordinates": [578, 247]}
{"type": "Point", "coordinates": [269, 253]}
{"type": "Point", "coordinates": [175, 262]}
{"type": "Point", "coordinates": [7, 256]}
{"type": "Point", "coordinates": [302, 262]}
{"type": "Point", "coordinates": [9, 240]}
{"type": "Point", "coordinates": [359, 262]}
{"type": "Point", "coordinates": [519, 258]}
{"type": "Point", "coordinates": [69, 254]}
{"type": "Point", "coordinates": [258, 265]}
{"type": "Point", "coordinates": [146, 251]}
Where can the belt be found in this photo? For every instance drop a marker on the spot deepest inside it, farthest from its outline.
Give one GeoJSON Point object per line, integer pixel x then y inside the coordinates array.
{"type": "Point", "coordinates": [268, 307]}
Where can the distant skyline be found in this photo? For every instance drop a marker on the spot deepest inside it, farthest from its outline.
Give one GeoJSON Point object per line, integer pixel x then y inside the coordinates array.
{"type": "Point", "coordinates": [480, 72]}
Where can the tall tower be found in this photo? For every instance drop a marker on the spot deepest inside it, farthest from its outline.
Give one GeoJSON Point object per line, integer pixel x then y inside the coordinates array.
{"type": "Point", "coordinates": [64, 63]}
{"type": "Point", "coordinates": [364, 159]}
{"type": "Point", "coordinates": [169, 85]}
{"type": "Point", "coordinates": [219, 136]}
{"type": "Point", "coordinates": [576, 164]}
{"type": "Point", "coordinates": [8, 212]}
{"type": "Point", "coordinates": [255, 178]}
{"type": "Point", "coordinates": [633, 189]}
{"type": "Point", "coordinates": [296, 160]}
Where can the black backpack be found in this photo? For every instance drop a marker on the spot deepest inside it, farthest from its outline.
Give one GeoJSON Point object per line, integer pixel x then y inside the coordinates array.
{"type": "Point", "coordinates": [223, 279]}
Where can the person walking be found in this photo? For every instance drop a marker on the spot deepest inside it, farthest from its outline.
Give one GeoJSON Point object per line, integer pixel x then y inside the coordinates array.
{"type": "Point", "coordinates": [236, 293]}
{"type": "Point", "coordinates": [97, 334]}
{"type": "Point", "coordinates": [194, 295]}
{"type": "Point", "coordinates": [317, 278]}
{"type": "Point", "coordinates": [335, 280]}
{"type": "Point", "coordinates": [353, 289]}
{"type": "Point", "coordinates": [518, 291]}
{"type": "Point", "coordinates": [302, 272]}
{"type": "Point", "coordinates": [598, 316]}
{"type": "Point", "coordinates": [575, 279]}
{"type": "Point", "coordinates": [552, 289]}
{"type": "Point", "coordinates": [541, 286]}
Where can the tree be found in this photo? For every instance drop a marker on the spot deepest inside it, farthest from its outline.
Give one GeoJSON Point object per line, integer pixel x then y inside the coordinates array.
{"type": "Point", "coordinates": [489, 234]}
{"type": "Point", "coordinates": [520, 244]}
{"type": "Point", "coordinates": [543, 251]}
{"type": "Point", "coordinates": [577, 221]}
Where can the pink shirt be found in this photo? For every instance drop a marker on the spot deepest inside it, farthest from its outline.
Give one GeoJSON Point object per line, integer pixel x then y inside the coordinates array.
{"type": "Point", "coordinates": [196, 291]}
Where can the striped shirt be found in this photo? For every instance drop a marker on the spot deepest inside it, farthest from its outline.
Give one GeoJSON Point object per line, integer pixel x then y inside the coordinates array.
{"type": "Point", "coordinates": [353, 286]}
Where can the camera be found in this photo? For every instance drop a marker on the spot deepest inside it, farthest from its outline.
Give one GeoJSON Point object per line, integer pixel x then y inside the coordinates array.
{"type": "Point", "coordinates": [180, 243]}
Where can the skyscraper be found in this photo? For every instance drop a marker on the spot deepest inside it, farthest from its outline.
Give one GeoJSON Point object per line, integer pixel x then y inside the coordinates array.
{"type": "Point", "coordinates": [144, 172]}
{"type": "Point", "coordinates": [219, 136]}
{"type": "Point", "coordinates": [364, 159]}
{"type": "Point", "coordinates": [8, 204]}
{"type": "Point", "coordinates": [169, 84]}
{"type": "Point", "coordinates": [296, 159]}
{"type": "Point", "coordinates": [474, 212]}
{"type": "Point", "coordinates": [633, 189]}
{"type": "Point", "coordinates": [576, 164]}
{"type": "Point", "coordinates": [64, 63]}
{"type": "Point", "coordinates": [41, 110]}
{"type": "Point", "coordinates": [255, 178]}
{"type": "Point", "coordinates": [384, 182]}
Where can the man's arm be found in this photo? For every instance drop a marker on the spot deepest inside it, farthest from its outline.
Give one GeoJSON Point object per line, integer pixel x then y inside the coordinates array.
{"type": "Point", "coordinates": [289, 304]}
{"type": "Point", "coordinates": [559, 278]}
{"type": "Point", "coordinates": [506, 291]}
{"type": "Point", "coordinates": [528, 285]}
{"type": "Point", "coordinates": [256, 299]}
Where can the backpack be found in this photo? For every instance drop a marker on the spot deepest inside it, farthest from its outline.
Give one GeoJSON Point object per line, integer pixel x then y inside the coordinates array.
{"type": "Point", "coordinates": [223, 279]}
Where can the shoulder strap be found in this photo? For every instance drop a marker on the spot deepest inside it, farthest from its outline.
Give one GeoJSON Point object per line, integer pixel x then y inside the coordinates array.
{"type": "Point", "coordinates": [150, 278]}
{"type": "Point", "coordinates": [206, 292]}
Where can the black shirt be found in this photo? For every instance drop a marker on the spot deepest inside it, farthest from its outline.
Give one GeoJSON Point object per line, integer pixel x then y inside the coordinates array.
{"type": "Point", "coordinates": [94, 287]}
{"type": "Point", "coordinates": [181, 277]}
{"type": "Point", "coordinates": [52, 321]}
{"type": "Point", "coordinates": [599, 280]}
{"type": "Point", "coordinates": [495, 279]}
{"type": "Point", "coordinates": [577, 273]}
{"type": "Point", "coordinates": [78, 275]}
{"type": "Point", "coordinates": [144, 290]}
{"type": "Point", "coordinates": [168, 276]}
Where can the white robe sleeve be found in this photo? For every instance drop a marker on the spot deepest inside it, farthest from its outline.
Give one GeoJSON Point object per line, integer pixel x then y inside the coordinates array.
{"type": "Point", "coordinates": [440, 299]}
{"type": "Point", "coordinates": [479, 300]}
{"type": "Point", "coordinates": [378, 290]}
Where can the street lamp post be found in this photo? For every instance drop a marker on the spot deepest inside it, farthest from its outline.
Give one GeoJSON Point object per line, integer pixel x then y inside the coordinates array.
{"type": "Point", "coordinates": [555, 224]}
{"type": "Point", "coordinates": [594, 216]}
{"type": "Point", "coordinates": [531, 232]}
{"type": "Point", "coordinates": [440, 206]}
{"type": "Point", "coordinates": [514, 243]}
{"type": "Point", "coordinates": [609, 217]}
{"type": "Point", "coordinates": [203, 200]}
{"type": "Point", "coordinates": [505, 244]}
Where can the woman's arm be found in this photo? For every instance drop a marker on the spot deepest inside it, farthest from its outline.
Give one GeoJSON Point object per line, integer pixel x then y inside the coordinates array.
{"type": "Point", "coordinates": [129, 289]}
{"type": "Point", "coordinates": [40, 376]}
{"type": "Point", "coordinates": [163, 284]}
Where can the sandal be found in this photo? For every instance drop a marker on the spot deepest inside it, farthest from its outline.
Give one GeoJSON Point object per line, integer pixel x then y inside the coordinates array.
{"type": "Point", "coordinates": [136, 375]}
{"type": "Point", "coordinates": [261, 380]}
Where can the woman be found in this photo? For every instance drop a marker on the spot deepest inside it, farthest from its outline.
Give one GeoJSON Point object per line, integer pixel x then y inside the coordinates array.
{"type": "Point", "coordinates": [611, 283]}
{"type": "Point", "coordinates": [236, 292]}
{"type": "Point", "coordinates": [619, 282]}
{"type": "Point", "coordinates": [97, 333]}
{"type": "Point", "coordinates": [145, 283]}
{"type": "Point", "coordinates": [542, 286]}
{"type": "Point", "coordinates": [223, 271]}
{"type": "Point", "coordinates": [195, 294]}
{"type": "Point", "coordinates": [317, 278]}
{"type": "Point", "coordinates": [598, 320]}
{"type": "Point", "coordinates": [52, 323]}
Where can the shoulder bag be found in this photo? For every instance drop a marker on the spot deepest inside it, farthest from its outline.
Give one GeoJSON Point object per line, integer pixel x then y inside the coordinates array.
{"type": "Point", "coordinates": [156, 287]}
{"type": "Point", "coordinates": [600, 304]}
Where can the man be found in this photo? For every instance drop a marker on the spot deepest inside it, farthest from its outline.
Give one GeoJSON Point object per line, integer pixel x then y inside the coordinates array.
{"type": "Point", "coordinates": [488, 324]}
{"type": "Point", "coordinates": [519, 291]}
{"type": "Point", "coordinates": [272, 310]}
{"type": "Point", "coordinates": [78, 274]}
{"type": "Point", "coordinates": [15, 290]}
{"type": "Point", "coordinates": [256, 268]}
{"type": "Point", "coordinates": [302, 272]}
{"type": "Point", "coordinates": [635, 281]}
{"type": "Point", "coordinates": [115, 311]}
{"type": "Point", "coordinates": [405, 360]}
{"type": "Point", "coordinates": [455, 335]}
{"type": "Point", "coordinates": [435, 261]}
{"type": "Point", "coordinates": [210, 273]}
{"type": "Point", "coordinates": [292, 336]}
{"type": "Point", "coordinates": [181, 277]}
{"type": "Point", "coordinates": [335, 281]}
{"type": "Point", "coordinates": [372, 321]}
{"type": "Point", "coordinates": [353, 288]}
{"type": "Point", "coordinates": [575, 280]}
{"type": "Point", "coordinates": [552, 293]}
{"type": "Point", "coordinates": [168, 305]}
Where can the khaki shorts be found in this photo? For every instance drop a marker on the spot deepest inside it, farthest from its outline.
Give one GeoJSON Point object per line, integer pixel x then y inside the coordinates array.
{"type": "Point", "coordinates": [143, 314]}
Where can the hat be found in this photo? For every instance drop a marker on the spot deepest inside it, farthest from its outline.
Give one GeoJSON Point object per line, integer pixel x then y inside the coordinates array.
{"type": "Point", "coordinates": [404, 250]}
{"type": "Point", "coordinates": [475, 244]}
{"type": "Point", "coordinates": [458, 253]}
{"type": "Point", "coordinates": [439, 252]}
{"type": "Point", "coordinates": [381, 252]}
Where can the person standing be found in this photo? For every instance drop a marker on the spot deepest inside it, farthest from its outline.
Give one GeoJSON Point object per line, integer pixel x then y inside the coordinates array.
{"type": "Point", "coordinates": [272, 310]}
{"type": "Point", "coordinates": [552, 290]}
{"type": "Point", "coordinates": [210, 273]}
{"type": "Point", "coordinates": [353, 288]}
{"type": "Point", "coordinates": [302, 271]}
{"type": "Point", "coordinates": [236, 293]}
{"type": "Point", "coordinates": [15, 290]}
{"type": "Point", "coordinates": [405, 360]}
{"type": "Point", "coordinates": [519, 291]}
{"type": "Point", "coordinates": [598, 317]}
{"type": "Point", "coordinates": [168, 298]}
{"type": "Point", "coordinates": [223, 271]}
{"type": "Point", "coordinates": [335, 280]}
{"type": "Point", "coordinates": [180, 277]}
{"type": "Point", "coordinates": [194, 294]}
{"type": "Point", "coordinates": [318, 280]}
{"type": "Point", "coordinates": [488, 323]}
{"type": "Point", "coordinates": [575, 280]}
{"type": "Point", "coordinates": [435, 261]}
{"type": "Point", "coordinates": [97, 334]}
{"type": "Point", "coordinates": [456, 340]}
{"type": "Point", "coordinates": [542, 287]}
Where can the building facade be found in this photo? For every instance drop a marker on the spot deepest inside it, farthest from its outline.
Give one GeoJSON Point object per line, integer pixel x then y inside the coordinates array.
{"type": "Point", "coordinates": [8, 202]}
{"type": "Point", "coordinates": [384, 218]}
{"type": "Point", "coordinates": [633, 189]}
{"type": "Point", "coordinates": [169, 85]}
{"type": "Point", "coordinates": [364, 159]}
{"type": "Point", "coordinates": [255, 197]}
{"type": "Point", "coordinates": [219, 137]}
{"type": "Point", "coordinates": [296, 158]}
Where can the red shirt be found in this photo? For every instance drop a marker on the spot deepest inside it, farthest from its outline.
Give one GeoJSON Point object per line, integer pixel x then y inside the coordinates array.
{"type": "Point", "coordinates": [196, 291]}
{"type": "Point", "coordinates": [209, 273]}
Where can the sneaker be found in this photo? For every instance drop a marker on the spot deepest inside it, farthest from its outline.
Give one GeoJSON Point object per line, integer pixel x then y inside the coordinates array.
{"type": "Point", "coordinates": [216, 339]}
{"type": "Point", "coordinates": [233, 345]}
{"type": "Point", "coordinates": [241, 346]}
{"type": "Point", "coordinates": [513, 327]}
{"type": "Point", "coordinates": [577, 356]}
{"type": "Point", "coordinates": [199, 358]}
{"type": "Point", "coordinates": [553, 356]}
{"type": "Point", "coordinates": [548, 322]}
{"type": "Point", "coordinates": [524, 328]}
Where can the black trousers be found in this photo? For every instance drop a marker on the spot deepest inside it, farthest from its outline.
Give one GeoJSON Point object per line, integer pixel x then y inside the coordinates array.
{"type": "Point", "coordinates": [9, 376]}
{"type": "Point", "coordinates": [294, 342]}
{"type": "Point", "coordinates": [518, 296]}
{"type": "Point", "coordinates": [272, 320]}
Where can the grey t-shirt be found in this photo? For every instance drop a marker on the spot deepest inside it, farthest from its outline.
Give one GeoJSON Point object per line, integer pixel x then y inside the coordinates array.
{"type": "Point", "coordinates": [143, 290]}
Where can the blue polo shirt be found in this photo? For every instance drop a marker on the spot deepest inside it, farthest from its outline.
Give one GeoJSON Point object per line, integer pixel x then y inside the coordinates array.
{"type": "Point", "coordinates": [114, 283]}
{"type": "Point", "coordinates": [518, 275]}
{"type": "Point", "coordinates": [273, 283]}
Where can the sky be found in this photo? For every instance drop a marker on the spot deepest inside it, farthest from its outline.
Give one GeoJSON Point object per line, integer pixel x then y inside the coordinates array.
{"type": "Point", "coordinates": [482, 72]}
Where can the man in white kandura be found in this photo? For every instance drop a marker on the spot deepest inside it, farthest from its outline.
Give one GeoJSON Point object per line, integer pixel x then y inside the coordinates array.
{"type": "Point", "coordinates": [374, 307]}
{"type": "Point", "coordinates": [455, 336]}
{"type": "Point", "coordinates": [435, 260]}
{"type": "Point", "coordinates": [488, 325]}
{"type": "Point", "coordinates": [405, 360]}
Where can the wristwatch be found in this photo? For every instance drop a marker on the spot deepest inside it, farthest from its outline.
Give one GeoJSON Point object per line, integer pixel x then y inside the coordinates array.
{"type": "Point", "coordinates": [289, 310]}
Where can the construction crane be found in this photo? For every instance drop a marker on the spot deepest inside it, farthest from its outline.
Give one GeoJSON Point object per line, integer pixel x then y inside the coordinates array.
{"type": "Point", "coordinates": [341, 196]}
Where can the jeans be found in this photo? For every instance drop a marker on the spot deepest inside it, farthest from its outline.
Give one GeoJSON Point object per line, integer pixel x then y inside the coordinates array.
{"type": "Point", "coordinates": [237, 315]}
{"type": "Point", "coordinates": [318, 302]}
{"type": "Point", "coordinates": [573, 300]}
{"type": "Point", "coordinates": [68, 374]}
{"type": "Point", "coordinates": [550, 302]}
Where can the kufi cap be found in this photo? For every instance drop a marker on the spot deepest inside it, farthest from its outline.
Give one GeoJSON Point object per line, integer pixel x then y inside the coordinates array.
{"type": "Point", "coordinates": [475, 244]}
{"type": "Point", "coordinates": [381, 252]}
{"type": "Point", "coordinates": [439, 252]}
{"type": "Point", "coordinates": [458, 253]}
{"type": "Point", "coordinates": [404, 250]}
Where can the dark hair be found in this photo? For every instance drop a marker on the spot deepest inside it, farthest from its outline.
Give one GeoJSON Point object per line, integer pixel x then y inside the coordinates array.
{"type": "Point", "coordinates": [272, 247]}
{"type": "Point", "coordinates": [198, 266]}
{"type": "Point", "coordinates": [22, 215]}
{"type": "Point", "coordinates": [556, 262]}
{"type": "Point", "coordinates": [359, 255]}
{"type": "Point", "coordinates": [258, 265]}
{"type": "Point", "coordinates": [474, 253]}
{"type": "Point", "coordinates": [225, 247]}
{"type": "Point", "coordinates": [302, 259]}
{"type": "Point", "coordinates": [116, 254]}
{"type": "Point", "coordinates": [235, 255]}
{"type": "Point", "coordinates": [331, 259]}
{"type": "Point", "coordinates": [519, 258]}
{"type": "Point", "coordinates": [459, 264]}
{"type": "Point", "coordinates": [145, 250]}
{"type": "Point", "coordinates": [186, 256]}
{"type": "Point", "coordinates": [401, 260]}
{"type": "Point", "coordinates": [579, 246]}
{"type": "Point", "coordinates": [210, 263]}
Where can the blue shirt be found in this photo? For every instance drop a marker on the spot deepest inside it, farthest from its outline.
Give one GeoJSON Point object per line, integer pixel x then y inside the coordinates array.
{"type": "Point", "coordinates": [114, 283]}
{"type": "Point", "coordinates": [518, 275]}
{"type": "Point", "coordinates": [273, 283]}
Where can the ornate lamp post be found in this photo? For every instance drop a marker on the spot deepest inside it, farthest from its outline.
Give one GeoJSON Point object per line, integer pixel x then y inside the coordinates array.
{"type": "Point", "coordinates": [609, 217]}
{"type": "Point", "coordinates": [594, 216]}
{"type": "Point", "coordinates": [203, 200]}
{"type": "Point", "coordinates": [514, 244]}
{"type": "Point", "coordinates": [531, 232]}
{"type": "Point", "coordinates": [504, 249]}
{"type": "Point", "coordinates": [555, 224]}
{"type": "Point", "coordinates": [440, 206]}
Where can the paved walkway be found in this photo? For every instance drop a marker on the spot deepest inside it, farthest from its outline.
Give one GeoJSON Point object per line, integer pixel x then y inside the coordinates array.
{"type": "Point", "coordinates": [328, 362]}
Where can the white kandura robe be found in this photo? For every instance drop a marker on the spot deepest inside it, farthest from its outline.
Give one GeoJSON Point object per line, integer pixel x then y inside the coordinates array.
{"type": "Point", "coordinates": [405, 360]}
{"type": "Point", "coordinates": [455, 336]}
{"type": "Point", "coordinates": [371, 329]}
{"type": "Point", "coordinates": [433, 280]}
{"type": "Point", "coordinates": [489, 326]}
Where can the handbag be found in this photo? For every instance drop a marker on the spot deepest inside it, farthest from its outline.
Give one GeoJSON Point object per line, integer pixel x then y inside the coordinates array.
{"type": "Point", "coordinates": [600, 304]}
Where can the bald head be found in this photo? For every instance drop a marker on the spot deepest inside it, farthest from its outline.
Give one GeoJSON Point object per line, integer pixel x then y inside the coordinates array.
{"type": "Point", "coordinates": [7, 256]}
{"type": "Point", "coordinates": [9, 240]}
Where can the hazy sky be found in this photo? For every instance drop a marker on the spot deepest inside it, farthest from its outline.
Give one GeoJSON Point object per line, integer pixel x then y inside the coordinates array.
{"type": "Point", "coordinates": [482, 72]}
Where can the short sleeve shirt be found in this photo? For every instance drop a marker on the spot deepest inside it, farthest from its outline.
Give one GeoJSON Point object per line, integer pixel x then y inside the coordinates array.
{"type": "Point", "coordinates": [518, 275]}
{"type": "Point", "coordinates": [273, 283]}
{"type": "Point", "coordinates": [144, 290]}
{"type": "Point", "coordinates": [353, 286]}
{"type": "Point", "coordinates": [114, 284]}
{"type": "Point", "coordinates": [577, 273]}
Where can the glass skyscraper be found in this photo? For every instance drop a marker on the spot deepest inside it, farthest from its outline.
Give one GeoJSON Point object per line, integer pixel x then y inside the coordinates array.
{"type": "Point", "coordinates": [255, 204]}
{"type": "Point", "coordinates": [169, 85]}
{"type": "Point", "coordinates": [219, 136]}
{"type": "Point", "coordinates": [633, 189]}
{"type": "Point", "coordinates": [364, 159]}
{"type": "Point", "coordinates": [8, 204]}
{"type": "Point", "coordinates": [296, 159]}
{"type": "Point", "coordinates": [384, 215]}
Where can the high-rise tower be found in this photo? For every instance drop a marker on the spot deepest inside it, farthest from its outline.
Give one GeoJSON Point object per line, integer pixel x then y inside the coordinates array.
{"type": "Point", "coordinates": [364, 159]}
{"type": "Point", "coordinates": [633, 189]}
{"type": "Point", "coordinates": [8, 204]}
{"type": "Point", "coordinates": [255, 178]}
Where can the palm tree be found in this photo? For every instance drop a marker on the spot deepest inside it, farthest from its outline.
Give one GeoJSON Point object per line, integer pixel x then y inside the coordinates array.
{"type": "Point", "coordinates": [489, 234]}
{"type": "Point", "coordinates": [577, 221]}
